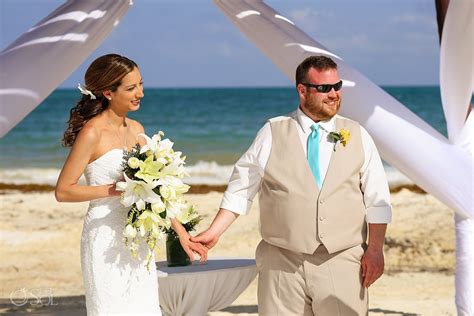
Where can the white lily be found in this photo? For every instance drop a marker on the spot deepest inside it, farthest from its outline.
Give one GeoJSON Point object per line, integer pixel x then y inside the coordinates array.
{"type": "Point", "coordinates": [165, 149]}
{"type": "Point", "coordinates": [176, 184]}
{"type": "Point", "coordinates": [170, 181]}
{"type": "Point", "coordinates": [150, 222]}
{"type": "Point", "coordinates": [177, 156]}
{"type": "Point", "coordinates": [137, 192]}
{"type": "Point", "coordinates": [155, 145]}
{"type": "Point", "coordinates": [175, 168]}
{"type": "Point", "coordinates": [151, 143]}
{"type": "Point", "coordinates": [149, 170]}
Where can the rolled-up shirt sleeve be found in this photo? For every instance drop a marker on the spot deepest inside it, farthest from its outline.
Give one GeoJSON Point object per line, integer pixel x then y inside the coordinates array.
{"type": "Point", "coordinates": [374, 184]}
{"type": "Point", "coordinates": [248, 172]}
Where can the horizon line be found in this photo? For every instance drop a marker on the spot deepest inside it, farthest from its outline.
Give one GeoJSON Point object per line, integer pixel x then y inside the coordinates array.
{"type": "Point", "coordinates": [259, 87]}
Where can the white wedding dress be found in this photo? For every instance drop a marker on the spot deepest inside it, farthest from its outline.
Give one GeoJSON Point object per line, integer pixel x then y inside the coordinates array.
{"type": "Point", "coordinates": [115, 283]}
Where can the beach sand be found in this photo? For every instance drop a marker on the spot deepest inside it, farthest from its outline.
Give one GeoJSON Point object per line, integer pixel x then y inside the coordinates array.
{"type": "Point", "coordinates": [40, 242]}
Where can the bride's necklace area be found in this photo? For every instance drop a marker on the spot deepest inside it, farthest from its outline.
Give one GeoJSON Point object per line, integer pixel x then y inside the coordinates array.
{"type": "Point", "coordinates": [122, 140]}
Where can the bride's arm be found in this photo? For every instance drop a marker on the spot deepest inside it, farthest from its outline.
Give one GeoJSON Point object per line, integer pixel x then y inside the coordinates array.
{"type": "Point", "coordinates": [67, 188]}
{"type": "Point", "coordinates": [189, 246]}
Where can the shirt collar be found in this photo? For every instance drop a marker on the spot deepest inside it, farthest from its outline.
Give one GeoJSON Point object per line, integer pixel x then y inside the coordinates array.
{"type": "Point", "coordinates": [306, 122]}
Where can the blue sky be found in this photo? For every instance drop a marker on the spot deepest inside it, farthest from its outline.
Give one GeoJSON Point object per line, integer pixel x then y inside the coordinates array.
{"type": "Point", "coordinates": [190, 43]}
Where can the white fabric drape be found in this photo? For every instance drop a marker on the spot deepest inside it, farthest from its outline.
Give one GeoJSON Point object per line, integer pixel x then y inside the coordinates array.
{"type": "Point", "coordinates": [197, 289]}
{"type": "Point", "coordinates": [403, 139]}
{"type": "Point", "coordinates": [44, 56]}
{"type": "Point", "coordinates": [457, 85]}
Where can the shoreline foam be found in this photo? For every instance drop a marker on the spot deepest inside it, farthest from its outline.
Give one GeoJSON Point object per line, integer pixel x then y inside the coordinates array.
{"type": "Point", "coordinates": [204, 177]}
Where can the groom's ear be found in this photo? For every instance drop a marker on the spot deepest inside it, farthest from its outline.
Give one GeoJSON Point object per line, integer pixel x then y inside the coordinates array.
{"type": "Point", "coordinates": [301, 89]}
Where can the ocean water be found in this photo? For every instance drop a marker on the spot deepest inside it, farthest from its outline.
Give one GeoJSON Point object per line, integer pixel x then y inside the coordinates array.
{"type": "Point", "coordinates": [212, 126]}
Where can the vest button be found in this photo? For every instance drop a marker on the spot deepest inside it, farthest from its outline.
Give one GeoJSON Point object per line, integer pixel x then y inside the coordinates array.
{"type": "Point", "coordinates": [321, 218]}
{"type": "Point", "coordinates": [321, 201]}
{"type": "Point", "coordinates": [321, 235]}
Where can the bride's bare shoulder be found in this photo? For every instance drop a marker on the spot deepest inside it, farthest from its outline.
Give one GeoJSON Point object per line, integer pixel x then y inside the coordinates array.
{"type": "Point", "coordinates": [136, 126]}
{"type": "Point", "coordinates": [90, 132]}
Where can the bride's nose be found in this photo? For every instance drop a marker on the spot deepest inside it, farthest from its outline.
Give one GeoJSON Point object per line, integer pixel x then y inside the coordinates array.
{"type": "Point", "coordinates": [140, 93]}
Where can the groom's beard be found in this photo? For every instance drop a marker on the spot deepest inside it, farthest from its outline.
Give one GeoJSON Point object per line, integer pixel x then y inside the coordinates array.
{"type": "Point", "coordinates": [324, 109]}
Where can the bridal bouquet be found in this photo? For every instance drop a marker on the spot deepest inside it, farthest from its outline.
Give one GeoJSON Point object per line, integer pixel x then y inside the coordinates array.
{"type": "Point", "coordinates": [153, 188]}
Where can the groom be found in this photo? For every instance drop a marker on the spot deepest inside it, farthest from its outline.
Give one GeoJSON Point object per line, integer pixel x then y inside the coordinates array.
{"type": "Point", "coordinates": [321, 186]}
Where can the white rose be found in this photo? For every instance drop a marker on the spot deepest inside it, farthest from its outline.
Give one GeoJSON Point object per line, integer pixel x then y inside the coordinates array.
{"type": "Point", "coordinates": [133, 162]}
{"type": "Point", "coordinates": [165, 192]}
{"type": "Point", "coordinates": [158, 207]}
{"type": "Point", "coordinates": [129, 232]}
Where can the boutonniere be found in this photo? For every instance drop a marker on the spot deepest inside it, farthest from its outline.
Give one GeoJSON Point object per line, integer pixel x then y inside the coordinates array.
{"type": "Point", "coordinates": [342, 136]}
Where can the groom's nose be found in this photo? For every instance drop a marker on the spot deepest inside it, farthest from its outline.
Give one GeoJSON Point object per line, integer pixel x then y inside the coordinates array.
{"type": "Point", "coordinates": [332, 93]}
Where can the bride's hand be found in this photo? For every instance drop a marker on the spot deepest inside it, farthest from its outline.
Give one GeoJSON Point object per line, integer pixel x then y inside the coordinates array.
{"type": "Point", "coordinates": [113, 190]}
{"type": "Point", "coordinates": [192, 248]}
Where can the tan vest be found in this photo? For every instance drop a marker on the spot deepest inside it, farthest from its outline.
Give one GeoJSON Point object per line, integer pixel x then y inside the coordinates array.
{"type": "Point", "coordinates": [294, 214]}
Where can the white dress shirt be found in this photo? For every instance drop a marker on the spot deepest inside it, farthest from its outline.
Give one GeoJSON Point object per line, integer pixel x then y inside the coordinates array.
{"type": "Point", "coordinates": [248, 172]}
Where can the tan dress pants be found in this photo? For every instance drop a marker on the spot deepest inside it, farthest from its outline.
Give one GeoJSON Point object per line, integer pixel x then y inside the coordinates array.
{"type": "Point", "coordinates": [323, 284]}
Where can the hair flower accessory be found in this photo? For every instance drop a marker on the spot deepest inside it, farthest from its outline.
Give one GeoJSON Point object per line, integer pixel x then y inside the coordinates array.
{"type": "Point", "coordinates": [342, 136]}
{"type": "Point", "coordinates": [85, 91]}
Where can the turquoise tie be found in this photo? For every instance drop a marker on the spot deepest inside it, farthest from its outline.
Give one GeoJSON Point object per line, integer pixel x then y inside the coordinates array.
{"type": "Point", "coordinates": [313, 153]}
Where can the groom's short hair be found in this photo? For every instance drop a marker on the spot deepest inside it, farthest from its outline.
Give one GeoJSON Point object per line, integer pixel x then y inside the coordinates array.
{"type": "Point", "coordinates": [316, 62]}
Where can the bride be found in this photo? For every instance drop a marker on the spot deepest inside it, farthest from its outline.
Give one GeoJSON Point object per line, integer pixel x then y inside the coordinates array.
{"type": "Point", "coordinates": [98, 131]}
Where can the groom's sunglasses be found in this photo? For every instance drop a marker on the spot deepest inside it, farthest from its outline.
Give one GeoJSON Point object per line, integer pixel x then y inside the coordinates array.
{"type": "Point", "coordinates": [324, 88]}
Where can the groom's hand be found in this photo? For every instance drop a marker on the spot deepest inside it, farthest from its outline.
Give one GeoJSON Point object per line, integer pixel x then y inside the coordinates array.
{"type": "Point", "coordinates": [221, 222]}
{"type": "Point", "coordinates": [207, 238]}
{"type": "Point", "coordinates": [192, 248]}
{"type": "Point", "coordinates": [372, 263]}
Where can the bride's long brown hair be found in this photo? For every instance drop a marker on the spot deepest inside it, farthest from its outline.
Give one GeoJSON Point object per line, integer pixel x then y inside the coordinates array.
{"type": "Point", "coordinates": [105, 73]}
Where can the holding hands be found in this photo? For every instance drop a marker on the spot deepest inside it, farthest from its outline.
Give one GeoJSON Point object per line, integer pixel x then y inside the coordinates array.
{"type": "Point", "coordinates": [222, 221]}
{"type": "Point", "coordinates": [191, 248]}
{"type": "Point", "coordinates": [206, 238]}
